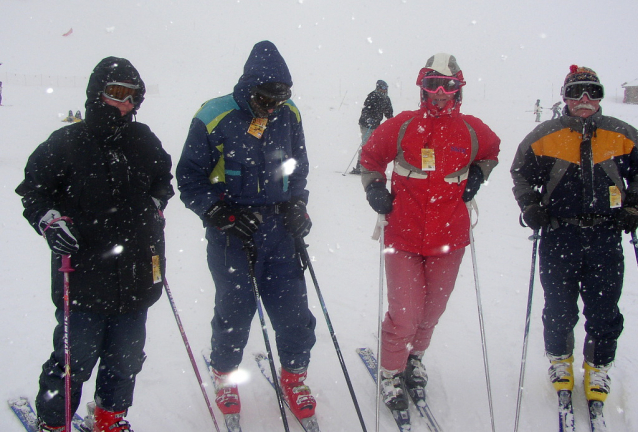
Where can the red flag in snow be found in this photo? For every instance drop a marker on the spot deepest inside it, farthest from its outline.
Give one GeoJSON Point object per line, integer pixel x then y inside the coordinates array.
{"type": "Point", "coordinates": [69, 32]}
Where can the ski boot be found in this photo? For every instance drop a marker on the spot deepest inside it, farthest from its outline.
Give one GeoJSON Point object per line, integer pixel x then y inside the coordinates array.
{"type": "Point", "coordinates": [109, 421]}
{"type": "Point", "coordinates": [297, 394]}
{"type": "Point", "coordinates": [597, 381]}
{"type": "Point", "coordinates": [227, 395]}
{"type": "Point", "coordinates": [45, 428]}
{"type": "Point", "coordinates": [393, 390]}
{"type": "Point", "coordinates": [416, 378]}
{"type": "Point", "coordinates": [227, 399]}
{"type": "Point", "coordinates": [561, 372]}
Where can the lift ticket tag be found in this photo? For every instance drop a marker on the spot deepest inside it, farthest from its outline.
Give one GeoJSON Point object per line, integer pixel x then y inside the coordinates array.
{"type": "Point", "coordinates": [257, 127]}
{"type": "Point", "coordinates": [157, 271]}
{"type": "Point", "coordinates": [427, 159]}
{"type": "Point", "coordinates": [615, 199]}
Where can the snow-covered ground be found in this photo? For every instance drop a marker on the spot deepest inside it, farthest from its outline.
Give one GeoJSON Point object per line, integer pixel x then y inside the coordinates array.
{"type": "Point", "coordinates": [511, 54]}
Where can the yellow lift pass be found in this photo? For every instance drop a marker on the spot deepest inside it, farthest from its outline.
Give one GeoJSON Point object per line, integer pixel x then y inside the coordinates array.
{"type": "Point", "coordinates": [257, 127]}
{"type": "Point", "coordinates": [157, 270]}
{"type": "Point", "coordinates": [427, 159]}
{"type": "Point", "coordinates": [615, 199]}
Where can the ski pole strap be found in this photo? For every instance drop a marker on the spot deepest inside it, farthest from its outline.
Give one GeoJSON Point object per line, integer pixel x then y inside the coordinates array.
{"type": "Point", "coordinates": [381, 222]}
{"type": "Point", "coordinates": [472, 205]}
{"type": "Point", "coordinates": [52, 221]}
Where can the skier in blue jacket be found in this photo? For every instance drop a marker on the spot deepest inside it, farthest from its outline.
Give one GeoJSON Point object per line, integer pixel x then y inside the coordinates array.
{"type": "Point", "coordinates": [243, 171]}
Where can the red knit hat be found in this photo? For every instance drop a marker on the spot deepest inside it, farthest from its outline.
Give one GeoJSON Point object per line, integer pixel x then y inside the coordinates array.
{"type": "Point", "coordinates": [581, 73]}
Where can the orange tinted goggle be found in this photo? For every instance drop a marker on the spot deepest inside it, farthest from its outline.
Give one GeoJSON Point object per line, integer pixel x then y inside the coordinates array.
{"type": "Point", "coordinates": [121, 92]}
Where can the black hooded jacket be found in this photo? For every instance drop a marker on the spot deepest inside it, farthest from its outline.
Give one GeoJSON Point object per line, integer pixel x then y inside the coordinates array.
{"type": "Point", "coordinates": [103, 173]}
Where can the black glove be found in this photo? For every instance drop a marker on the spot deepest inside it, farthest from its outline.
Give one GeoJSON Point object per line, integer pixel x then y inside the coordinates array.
{"type": "Point", "coordinates": [535, 216]}
{"type": "Point", "coordinates": [379, 197]}
{"type": "Point", "coordinates": [296, 219]}
{"type": "Point", "coordinates": [238, 221]}
{"type": "Point", "coordinates": [61, 236]}
{"type": "Point", "coordinates": [627, 218]}
{"type": "Point", "coordinates": [474, 181]}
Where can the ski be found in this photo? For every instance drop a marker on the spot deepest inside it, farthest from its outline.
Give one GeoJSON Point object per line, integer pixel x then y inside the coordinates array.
{"type": "Point", "coordinates": [401, 417]}
{"type": "Point", "coordinates": [231, 420]}
{"type": "Point", "coordinates": [565, 412]}
{"type": "Point", "coordinates": [309, 424]}
{"type": "Point", "coordinates": [418, 398]}
{"type": "Point", "coordinates": [596, 417]}
{"type": "Point", "coordinates": [26, 414]}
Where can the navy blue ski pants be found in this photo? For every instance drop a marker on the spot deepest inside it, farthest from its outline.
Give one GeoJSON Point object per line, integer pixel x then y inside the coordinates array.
{"type": "Point", "coordinates": [117, 341]}
{"type": "Point", "coordinates": [585, 261]}
{"type": "Point", "coordinates": [282, 287]}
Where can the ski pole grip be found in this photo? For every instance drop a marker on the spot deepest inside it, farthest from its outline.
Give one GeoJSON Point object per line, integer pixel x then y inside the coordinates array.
{"type": "Point", "coordinates": [66, 264]}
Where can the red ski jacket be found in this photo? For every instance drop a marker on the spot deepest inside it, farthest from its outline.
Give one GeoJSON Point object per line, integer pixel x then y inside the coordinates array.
{"type": "Point", "coordinates": [431, 158]}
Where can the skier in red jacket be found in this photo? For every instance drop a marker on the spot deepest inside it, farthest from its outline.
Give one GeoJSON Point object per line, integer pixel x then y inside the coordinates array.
{"type": "Point", "coordinates": [440, 158]}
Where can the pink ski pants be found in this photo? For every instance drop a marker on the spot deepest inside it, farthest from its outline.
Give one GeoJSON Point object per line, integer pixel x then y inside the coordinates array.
{"type": "Point", "coordinates": [418, 291]}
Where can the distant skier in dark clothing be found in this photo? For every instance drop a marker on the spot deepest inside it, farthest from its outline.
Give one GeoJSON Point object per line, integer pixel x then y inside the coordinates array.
{"type": "Point", "coordinates": [0, 91]}
{"type": "Point", "coordinates": [96, 190]}
{"type": "Point", "coordinates": [556, 110]}
{"type": "Point", "coordinates": [576, 180]}
{"type": "Point", "coordinates": [376, 105]}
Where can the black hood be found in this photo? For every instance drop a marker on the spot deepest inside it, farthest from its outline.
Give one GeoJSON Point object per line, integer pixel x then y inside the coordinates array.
{"type": "Point", "coordinates": [101, 118]}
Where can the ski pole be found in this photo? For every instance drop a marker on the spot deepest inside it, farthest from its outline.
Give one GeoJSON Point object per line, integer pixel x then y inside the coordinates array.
{"type": "Point", "coordinates": [250, 255]}
{"type": "Point", "coordinates": [521, 377]}
{"type": "Point", "coordinates": [190, 353]}
{"type": "Point", "coordinates": [363, 141]}
{"type": "Point", "coordinates": [481, 324]}
{"type": "Point", "coordinates": [379, 233]}
{"type": "Point", "coordinates": [66, 269]}
{"type": "Point", "coordinates": [305, 258]}
{"type": "Point", "coordinates": [634, 241]}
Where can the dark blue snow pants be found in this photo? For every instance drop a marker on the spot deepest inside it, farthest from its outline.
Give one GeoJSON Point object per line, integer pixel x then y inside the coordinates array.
{"type": "Point", "coordinates": [585, 261]}
{"type": "Point", "coordinates": [282, 288]}
{"type": "Point", "coordinates": [117, 341]}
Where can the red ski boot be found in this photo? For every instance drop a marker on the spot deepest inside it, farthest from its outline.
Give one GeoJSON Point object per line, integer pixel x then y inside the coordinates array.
{"type": "Point", "coordinates": [45, 428]}
{"type": "Point", "coordinates": [297, 394]}
{"type": "Point", "coordinates": [227, 398]}
{"type": "Point", "coordinates": [108, 421]}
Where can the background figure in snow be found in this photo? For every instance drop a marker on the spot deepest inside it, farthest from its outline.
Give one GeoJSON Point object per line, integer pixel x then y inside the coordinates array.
{"type": "Point", "coordinates": [440, 158]}
{"type": "Point", "coordinates": [0, 92]}
{"type": "Point", "coordinates": [556, 110]}
{"type": "Point", "coordinates": [576, 180]}
{"type": "Point", "coordinates": [110, 175]}
{"type": "Point", "coordinates": [376, 105]}
{"type": "Point", "coordinates": [243, 171]}
{"type": "Point", "coordinates": [538, 110]}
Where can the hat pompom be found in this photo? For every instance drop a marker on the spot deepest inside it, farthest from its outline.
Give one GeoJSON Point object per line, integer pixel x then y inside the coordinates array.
{"type": "Point", "coordinates": [581, 73]}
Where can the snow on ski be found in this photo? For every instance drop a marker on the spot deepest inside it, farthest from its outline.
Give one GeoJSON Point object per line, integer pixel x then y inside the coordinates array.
{"type": "Point", "coordinates": [27, 416]}
{"type": "Point", "coordinates": [231, 420]}
{"type": "Point", "coordinates": [401, 417]}
{"type": "Point", "coordinates": [596, 417]}
{"type": "Point", "coordinates": [309, 424]}
{"type": "Point", "coordinates": [565, 412]}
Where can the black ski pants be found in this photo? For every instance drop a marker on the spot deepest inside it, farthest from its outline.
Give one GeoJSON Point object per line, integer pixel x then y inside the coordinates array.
{"type": "Point", "coordinates": [117, 341]}
{"type": "Point", "coordinates": [585, 261]}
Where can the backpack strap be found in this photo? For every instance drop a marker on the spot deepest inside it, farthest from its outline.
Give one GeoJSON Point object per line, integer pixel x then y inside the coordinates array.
{"type": "Point", "coordinates": [405, 169]}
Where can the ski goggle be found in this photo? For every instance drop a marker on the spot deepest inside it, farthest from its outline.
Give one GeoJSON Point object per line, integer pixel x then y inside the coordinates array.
{"type": "Point", "coordinates": [121, 92]}
{"type": "Point", "coordinates": [266, 102]}
{"type": "Point", "coordinates": [576, 90]}
{"type": "Point", "coordinates": [449, 85]}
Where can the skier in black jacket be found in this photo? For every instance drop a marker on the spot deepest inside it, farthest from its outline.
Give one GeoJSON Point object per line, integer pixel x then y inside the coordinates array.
{"type": "Point", "coordinates": [376, 105]}
{"type": "Point", "coordinates": [96, 190]}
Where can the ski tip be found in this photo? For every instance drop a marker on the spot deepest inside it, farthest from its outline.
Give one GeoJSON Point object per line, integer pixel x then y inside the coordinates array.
{"type": "Point", "coordinates": [310, 424]}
